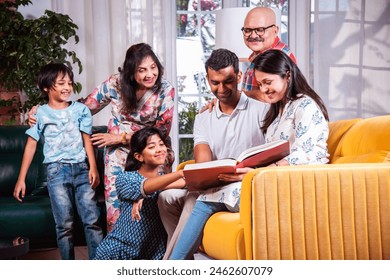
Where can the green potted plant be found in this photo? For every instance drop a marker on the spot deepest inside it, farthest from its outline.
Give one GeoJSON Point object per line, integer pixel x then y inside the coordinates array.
{"type": "Point", "coordinates": [28, 44]}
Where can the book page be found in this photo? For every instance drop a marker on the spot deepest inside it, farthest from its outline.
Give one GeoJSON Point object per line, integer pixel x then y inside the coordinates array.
{"type": "Point", "coordinates": [220, 162]}
{"type": "Point", "coordinates": [254, 150]}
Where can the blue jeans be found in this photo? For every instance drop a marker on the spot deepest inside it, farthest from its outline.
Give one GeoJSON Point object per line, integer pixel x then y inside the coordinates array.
{"type": "Point", "coordinates": [191, 236]}
{"type": "Point", "coordinates": [68, 186]}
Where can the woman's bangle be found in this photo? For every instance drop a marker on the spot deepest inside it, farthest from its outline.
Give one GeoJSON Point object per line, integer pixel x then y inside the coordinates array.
{"type": "Point", "coordinates": [124, 142]}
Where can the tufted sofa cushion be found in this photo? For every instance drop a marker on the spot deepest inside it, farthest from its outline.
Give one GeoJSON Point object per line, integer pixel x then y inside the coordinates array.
{"type": "Point", "coordinates": [33, 217]}
{"type": "Point", "coordinates": [12, 141]}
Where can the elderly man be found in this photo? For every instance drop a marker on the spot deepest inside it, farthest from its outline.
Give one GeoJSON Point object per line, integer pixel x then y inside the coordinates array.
{"type": "Point", "coordinates": [260, 33]}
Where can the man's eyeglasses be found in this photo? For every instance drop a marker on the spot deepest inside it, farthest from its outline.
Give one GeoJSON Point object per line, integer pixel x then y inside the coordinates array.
{"type": "Point", "coordinates": [259, 30]}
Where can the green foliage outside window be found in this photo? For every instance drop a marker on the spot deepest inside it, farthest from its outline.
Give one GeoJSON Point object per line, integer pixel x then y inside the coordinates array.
{"type": "Point", "coordinates": [186, 124]}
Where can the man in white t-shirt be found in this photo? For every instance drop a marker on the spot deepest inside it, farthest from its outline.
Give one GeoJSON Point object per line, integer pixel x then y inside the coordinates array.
{"type": "Point", "coordinates": [233, 126]}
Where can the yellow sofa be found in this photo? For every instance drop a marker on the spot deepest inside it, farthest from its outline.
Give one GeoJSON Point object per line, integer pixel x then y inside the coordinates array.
{"type": "Point", "coordinates": [335, 211]}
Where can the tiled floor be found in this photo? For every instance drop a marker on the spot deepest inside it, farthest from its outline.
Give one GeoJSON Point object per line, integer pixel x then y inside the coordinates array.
{"type": "Point", "coordinates": [80, 251]}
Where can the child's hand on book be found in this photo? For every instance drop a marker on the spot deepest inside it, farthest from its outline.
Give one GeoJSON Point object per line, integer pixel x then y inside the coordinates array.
{"type": "Point", "coordinates": [240, 173]}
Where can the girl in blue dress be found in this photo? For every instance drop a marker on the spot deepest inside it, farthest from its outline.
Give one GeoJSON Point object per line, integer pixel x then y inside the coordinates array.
{"type": "Point", "coordinates": [139, 232]}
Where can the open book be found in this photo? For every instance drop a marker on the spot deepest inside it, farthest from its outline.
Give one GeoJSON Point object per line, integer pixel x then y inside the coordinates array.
{"type": "Point", "coordinates": [204, 175]}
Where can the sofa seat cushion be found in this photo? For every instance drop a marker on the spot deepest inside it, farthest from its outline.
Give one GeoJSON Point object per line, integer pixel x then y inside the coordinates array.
{"type": "Point", "coordinates": [367, 141]}
{"type": "Point", "coordinates": [223, 237]}
{"type": "Point", "coordinates": [31, 218]}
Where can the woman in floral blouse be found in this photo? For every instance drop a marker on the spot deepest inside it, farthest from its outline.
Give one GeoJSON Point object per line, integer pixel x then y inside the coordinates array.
{"type": "Point", "coordinates": [139, 97]}
{"type": "Point", "coordinates": [296, 114]}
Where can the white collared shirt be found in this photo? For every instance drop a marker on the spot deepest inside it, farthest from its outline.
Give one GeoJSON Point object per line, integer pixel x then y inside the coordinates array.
{"type": "Point", "coordinates": [227, 136]}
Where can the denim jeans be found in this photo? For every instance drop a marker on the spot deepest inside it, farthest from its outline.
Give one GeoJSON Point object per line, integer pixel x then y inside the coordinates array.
{"type": "Point", "coordinates": [68, 186]}
{"type": "Point", "coordinates": [191, 236]}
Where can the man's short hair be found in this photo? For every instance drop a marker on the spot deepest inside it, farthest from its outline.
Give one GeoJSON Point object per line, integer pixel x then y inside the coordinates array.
{"type": "Point", "coordinates": [222, 58]}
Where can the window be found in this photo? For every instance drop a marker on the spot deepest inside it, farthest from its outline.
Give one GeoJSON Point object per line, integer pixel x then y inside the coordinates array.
{"type": "Point", "coordinates": [195, 41]}
{"type": "Point", "coordinates": [350, 56]}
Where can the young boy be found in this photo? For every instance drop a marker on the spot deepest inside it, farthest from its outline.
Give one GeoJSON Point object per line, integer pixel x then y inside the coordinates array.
{"type": "Point", "coordinates": [66, 127]}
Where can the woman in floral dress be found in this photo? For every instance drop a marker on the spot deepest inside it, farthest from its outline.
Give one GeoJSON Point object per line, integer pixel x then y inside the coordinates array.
{"type": "Point", "coordinates": [139, 97]}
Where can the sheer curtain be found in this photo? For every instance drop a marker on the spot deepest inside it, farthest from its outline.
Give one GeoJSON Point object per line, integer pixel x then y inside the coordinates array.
{"type": "Point", "coordinates": [351, 56]}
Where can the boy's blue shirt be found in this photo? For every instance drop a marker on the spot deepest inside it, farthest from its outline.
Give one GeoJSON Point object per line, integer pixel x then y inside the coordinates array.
{"type": "Point", "coordinates": [61, 132]}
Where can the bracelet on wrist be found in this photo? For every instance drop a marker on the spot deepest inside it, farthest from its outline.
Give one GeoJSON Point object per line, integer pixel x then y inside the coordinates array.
{"type": "Point", "coordinates": [124, 141]}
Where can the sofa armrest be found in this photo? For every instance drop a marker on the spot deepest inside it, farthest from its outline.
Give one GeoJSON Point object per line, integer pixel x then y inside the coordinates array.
{"type": "Point", "coordinates": [184, 163]}
{"type": "Point", "coordinates": [335, 211]}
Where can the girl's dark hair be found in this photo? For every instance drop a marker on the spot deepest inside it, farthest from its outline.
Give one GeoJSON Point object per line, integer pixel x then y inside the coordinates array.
{"type": "Point", "coordinates": [48, 74]}
{"type": "Point", "coordinates": [222, 58]}
{"type": "Point", "coordinates": [279, 63]}
{"type": "Point", "coordinates": [128, 85]}
{"type": "Point", "coordinates": [138, 143]}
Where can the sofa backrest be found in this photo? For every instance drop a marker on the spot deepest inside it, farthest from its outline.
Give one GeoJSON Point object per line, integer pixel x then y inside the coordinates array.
{"type": "Point", "coordinates": [360, 140]}
{"type": "Point", "coordinates": [12, 142]}
{"type": "Point", "coordinates": [337, 129]}
{"type": "Point", "coordinates": [99, 156]}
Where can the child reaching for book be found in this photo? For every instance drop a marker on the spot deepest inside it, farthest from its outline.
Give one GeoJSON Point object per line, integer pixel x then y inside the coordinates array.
{"type": "Point", "coordinates": [140, 235]}
{"type": "Point", "coordinates": [65, 127]}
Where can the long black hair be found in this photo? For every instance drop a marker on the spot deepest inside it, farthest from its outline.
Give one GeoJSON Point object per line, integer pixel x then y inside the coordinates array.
{"type": "Point", "coordinates": [138, 143]}
{"type": "Point", "coordinates": [279, 63]}
{"type": "Point", "coordinates": [128, 85]}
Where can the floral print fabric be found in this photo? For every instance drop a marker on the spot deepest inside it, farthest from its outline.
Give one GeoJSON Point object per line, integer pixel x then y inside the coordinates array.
{"type": "Point", "coordinates": [154, 109]}
{"type": "Point", "coordinates": [305, 127]}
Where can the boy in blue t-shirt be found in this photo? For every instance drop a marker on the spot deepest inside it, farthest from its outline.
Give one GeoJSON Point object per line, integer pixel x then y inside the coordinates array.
{"type": "Point", "coordinates": [66, 127]}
